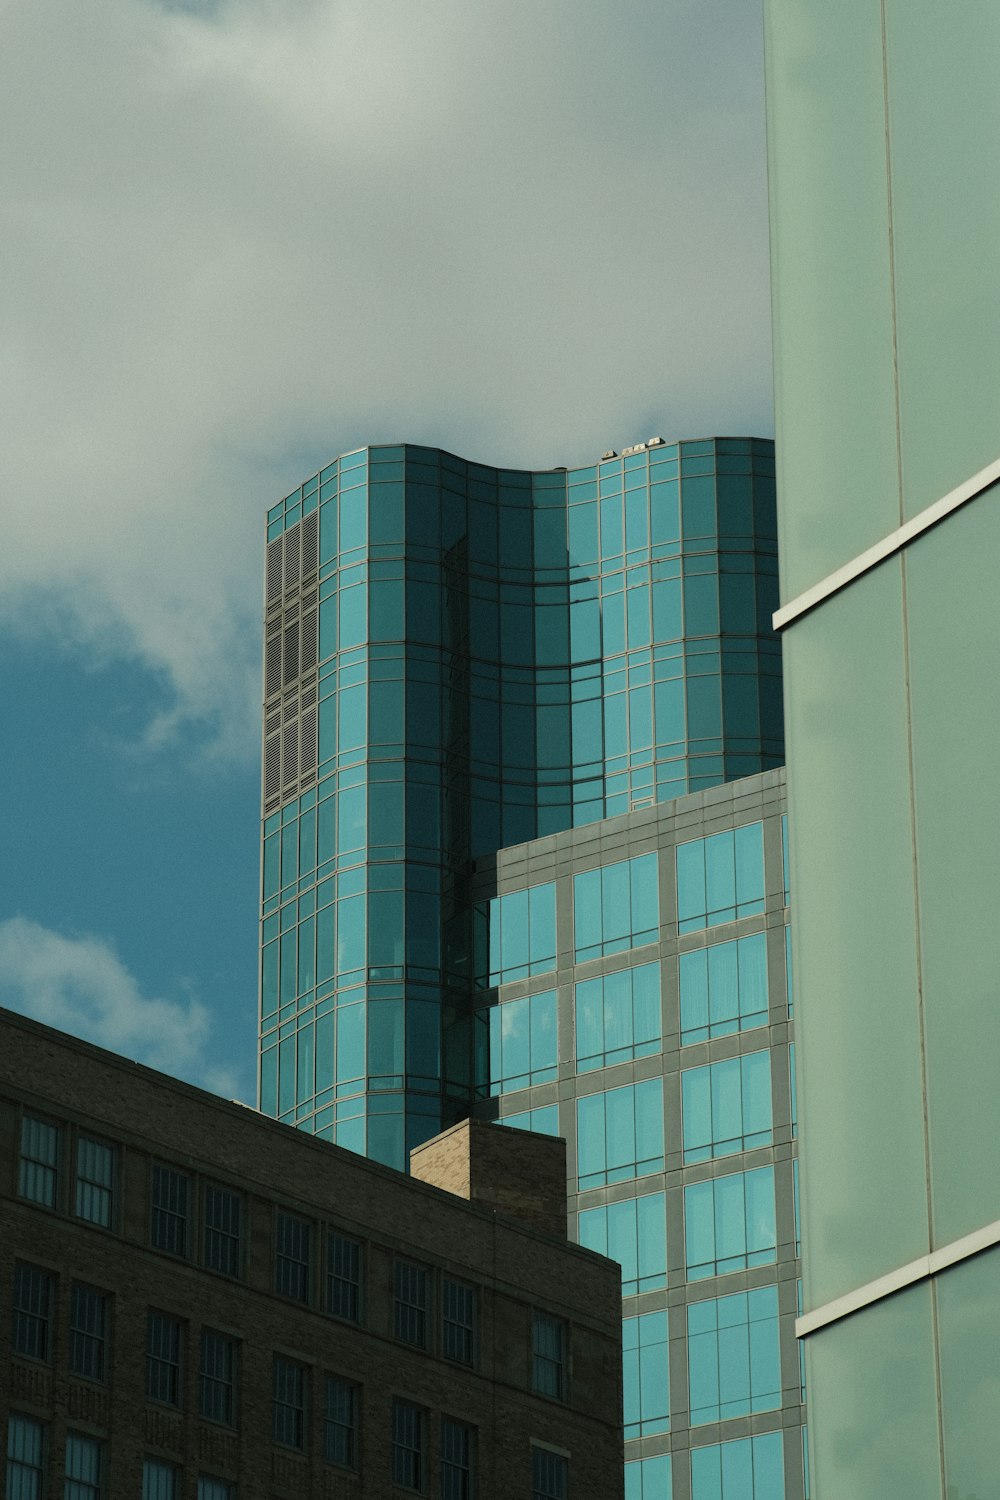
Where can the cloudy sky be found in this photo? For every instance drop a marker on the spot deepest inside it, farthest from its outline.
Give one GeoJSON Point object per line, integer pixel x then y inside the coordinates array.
{"type": "Point", "coordinates": [243, 237]}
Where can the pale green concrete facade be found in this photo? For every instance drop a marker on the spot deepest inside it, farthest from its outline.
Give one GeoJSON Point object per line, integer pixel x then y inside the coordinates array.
{"type": "Point", "coordinates": [884, 159]}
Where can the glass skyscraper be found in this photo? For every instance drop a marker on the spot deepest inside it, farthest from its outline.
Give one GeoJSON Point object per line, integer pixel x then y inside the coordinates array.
{"type": "Point", "coordinates": [459, 659]}
{"type": "Point", "coordinates": [524, 856]}
{"type": "Point", "coordinates": [884, 143]}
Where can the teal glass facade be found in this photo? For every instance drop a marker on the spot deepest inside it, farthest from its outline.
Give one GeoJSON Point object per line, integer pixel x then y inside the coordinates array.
{"type": "Point", "coordinates": [671, 1084]}
{"type": "Point", "coordinates": [459, 659]}
{"type": "Point", "coordinates": [884, 140]}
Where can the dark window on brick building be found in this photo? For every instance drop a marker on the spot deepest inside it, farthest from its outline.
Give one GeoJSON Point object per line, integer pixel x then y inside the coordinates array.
{"type": "Point", "coordinates": [88, 1333]}
{"type": "Point", "coordinates": [217, 1378]}
{"type": "Point", "coordinates": [291, 1262]}
{"type": "Point", "coordinates": [548, 1342]}
{"type": "Point", "coordinates": [340, 1437]}
{"type": "Point", "coordinates": [411, 1304]}
{"type": "Point", "coordinates": [407, 1445]}
{"type": "Point", "coordinates": [223, 1220]}
{"type": "Point", "coordinates": [95, 1181]}
{"type": "Point", "coordinates": [549, 1475]}
{"type": "Point", "coordinates": [457, 1456]}
{"type": "Point", "coordinates": [33, 1297]}
{"type": "Point", "coordinates": [38, 1170]}
{"type": "Point", "coordinates": [168, 1228]}
{"type": "Point", "coordinates": [163, 1359]}
{"type": "Point", "coordinates": [343, 1277]}
{"type": "Point", "coordinates": [289, 1405]}
{"type": "Point", "coordinates": [458, 1322]}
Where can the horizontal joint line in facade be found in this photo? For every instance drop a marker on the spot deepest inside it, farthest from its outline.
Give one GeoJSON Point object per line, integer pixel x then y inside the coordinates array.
{"type": "Point", "coordinates": [914, 1271]}
{"type": "Point", "coordinates": [894, 542]}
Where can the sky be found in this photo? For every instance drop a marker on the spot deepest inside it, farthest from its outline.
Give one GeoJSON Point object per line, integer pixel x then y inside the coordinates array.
{"type": "Point", "coordinates": [241, 238]}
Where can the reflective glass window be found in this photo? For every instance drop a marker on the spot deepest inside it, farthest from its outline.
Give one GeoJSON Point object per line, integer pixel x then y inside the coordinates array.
{"type": "Point", "coordinates": [543, 1121]}
{"type": "Point", "coordinates": [33, 1296]}
{"type": "Point", "coordinates": [163, 1358]}
{"type": "Point", "coordinates": [288, 1406]}
{"type": "Point", "coordinates": [25, 1457]}
{"type": "Point", "coordinates": [749, 1469]}
{"type": "Point", "coordinates": [723, 988]}
{"type": "Point", "coordinates": [340, 1424]}
{"type": "Point", "coordinates": [645, 1376]}
{"type": "Point", "coordinates": [616, 907]}
{"type": "Point", "coordinates": [648, 1479]}
{"type": "Point", "coordinates": [729, 1223]}
{"type": "Point", "coordinates": [88, 1332]}
{"type": "Point", "coordinates": [84, 1468]}
{"type": "Point", "coordinates": [618, 1017]}
{"type": "Point", "coordinates": [522, 934]}
{"type": "Point", "coordinates": [548, 1348]}
{"type": "Point", "coordinates": [634, 1233]}
{"type": "Point", "coordinates": [620, 1134]}
{"type": "Point", "coordinates": [39, 1163]}
{"type": "Point", "coordinates": [457, 1455]}
{"type": "Point", "coordinates": [407, 1445]}
{"type": "Point", "coordinates": [217, 1378]}
{"type": "Point", "coordinates": [734, 1367]}
{"type": "Point", "coordinates": [721, 878]}
{"type": "Point", "coordinates": [727, 1106]}
{"type": "Point", "coordinates": [523, 1042]}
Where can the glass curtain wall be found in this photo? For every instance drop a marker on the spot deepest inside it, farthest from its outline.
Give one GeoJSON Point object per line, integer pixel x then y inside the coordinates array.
{"type": "Point", "coordinates": [459, 659]}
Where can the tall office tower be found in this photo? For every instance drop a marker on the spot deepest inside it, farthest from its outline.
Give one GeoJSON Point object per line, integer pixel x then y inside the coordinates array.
{"type": "Point", "coordinates": [884, 142]}
{"type": "Point", "coordinates": [459, 659]}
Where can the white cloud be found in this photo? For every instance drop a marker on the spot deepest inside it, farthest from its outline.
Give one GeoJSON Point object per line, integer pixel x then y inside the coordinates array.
{"type": "Point", "coordinates": [239, 240]}
{"type": "Point", "coordinates": [80, 985]}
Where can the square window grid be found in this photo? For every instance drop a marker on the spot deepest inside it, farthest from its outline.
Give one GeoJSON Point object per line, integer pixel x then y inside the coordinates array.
{"type": "Point", "coordinates": [734, 1364]}
{"type": "Point", "coordinates": [729, 1223]}
{"type": "Point", "coordinates": [723, 988]}
{"type": "Point", "coordinates": [727, 1106]}
{"type": "Point", "coordinates": [634, 1233]}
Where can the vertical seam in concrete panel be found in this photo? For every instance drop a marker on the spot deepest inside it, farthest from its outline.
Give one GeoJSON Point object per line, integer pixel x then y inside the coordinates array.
{"type": "Point", "coordinates": [909, 754]}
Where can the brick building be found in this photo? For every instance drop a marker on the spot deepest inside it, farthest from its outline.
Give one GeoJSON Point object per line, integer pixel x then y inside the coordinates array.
{"type": "Point", "coordinates": [196, 1301]}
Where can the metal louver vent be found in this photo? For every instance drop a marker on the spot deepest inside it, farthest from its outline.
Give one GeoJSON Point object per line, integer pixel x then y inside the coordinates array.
{"type": "Point", "coordinates": [290, 768]}
{"type": "Point", "coordinates": [308, 697]}
{"type": "Point", "coordinates": [310, 535]}
{"type": "Point", "coordinates": [293, 542]}
{"type": "Point", "coordinates": [272, 666]}
{"type": "Point", "coordinates": [308, 641]}
{"type": "Point", "coordinates": [272, 766]}
{"type": "Point", "coordinates": [274, 550]}
{"type": "Point", "coordinates": [291, 653]}
{"type": "Point", "coordinates": [272, 723]}
{"type": "Point", "coordinates": [307, 750]}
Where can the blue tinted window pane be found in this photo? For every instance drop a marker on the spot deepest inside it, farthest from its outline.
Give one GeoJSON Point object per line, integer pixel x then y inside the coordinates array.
{"type": "Point", "coordinates": [729, 1223]}
{"type": "Point", "coordinates": [645, 1380]}
{"type": "Point", "coordinates": [720, 878]}
{"type": "Point", "coordinates": [733, 1356]}
{"type": "Point", "coordinates": [727, 1106]}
